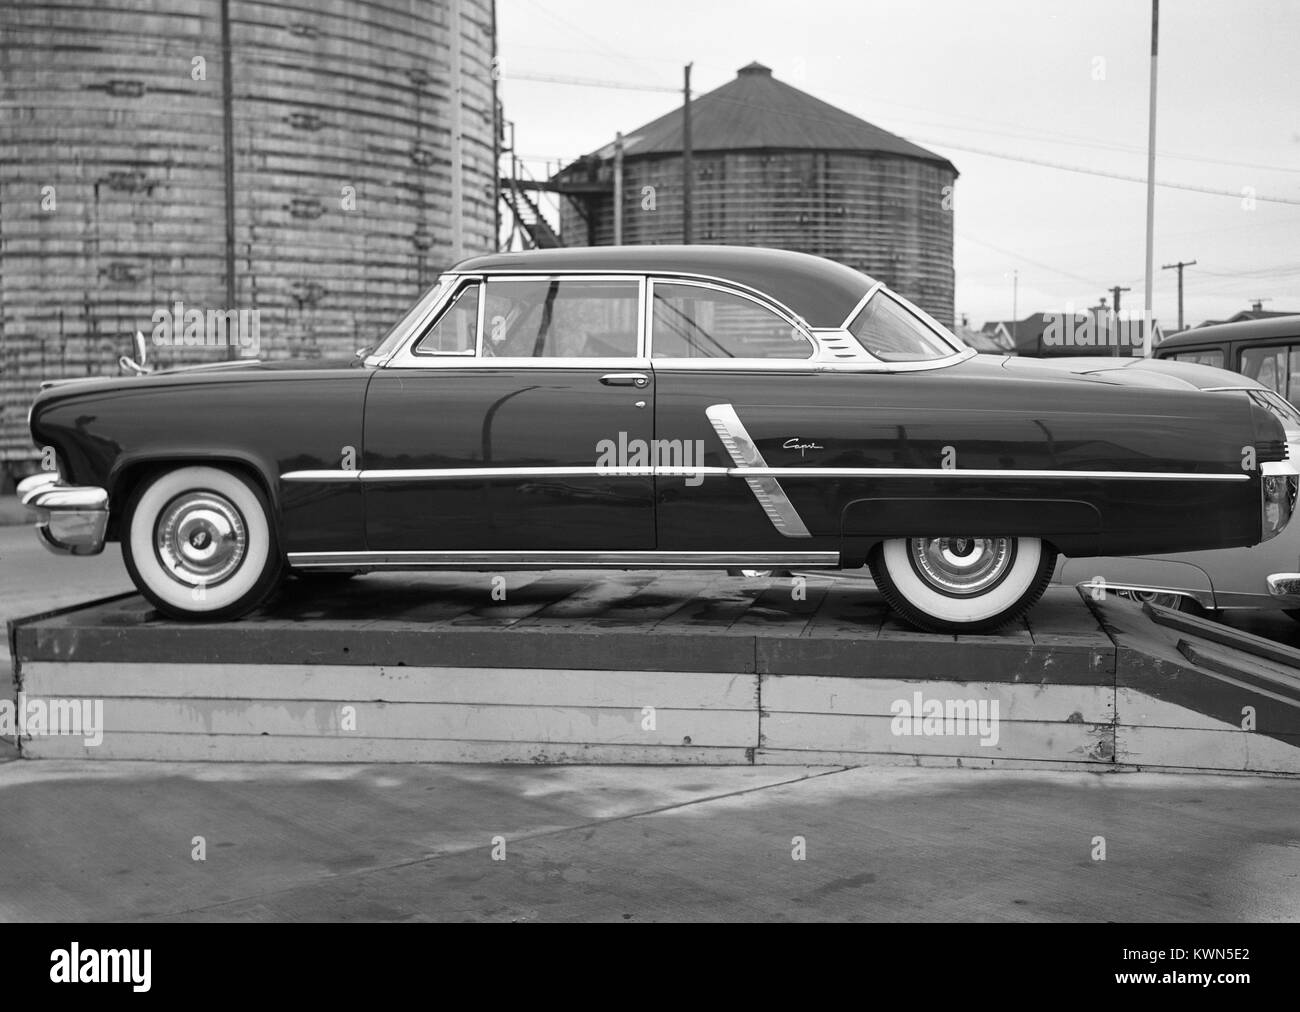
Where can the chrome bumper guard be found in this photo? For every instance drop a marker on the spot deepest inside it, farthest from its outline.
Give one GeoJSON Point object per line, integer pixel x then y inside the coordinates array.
{"type": "Point", "coordinates": [1284, 584]}
{"type": "Point", "coordinates": [70, 519]}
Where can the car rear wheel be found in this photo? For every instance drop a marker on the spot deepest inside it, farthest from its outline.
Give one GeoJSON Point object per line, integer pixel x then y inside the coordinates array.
{"type": "Point", "coordinates": [962, 584]}
{"type": "Point", "coordinates": [199, 543]}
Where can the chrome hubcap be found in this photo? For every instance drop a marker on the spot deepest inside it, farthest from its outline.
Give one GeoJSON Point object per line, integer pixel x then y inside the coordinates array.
{"type": "Point", "coordinates": [961, 566]}
{"type": "Point", "coordinates": [201, 538]}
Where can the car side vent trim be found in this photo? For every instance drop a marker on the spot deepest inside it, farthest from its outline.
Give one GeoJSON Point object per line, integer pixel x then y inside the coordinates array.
{"type": "Point", "coordinates": [745, 454]}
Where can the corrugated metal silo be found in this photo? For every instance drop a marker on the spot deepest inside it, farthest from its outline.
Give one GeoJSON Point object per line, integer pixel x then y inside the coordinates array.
{"type": "Point", "coordinates": [345, 159]}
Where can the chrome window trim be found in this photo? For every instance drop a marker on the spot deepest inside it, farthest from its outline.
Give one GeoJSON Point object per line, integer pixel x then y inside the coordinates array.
{"type": "Point", "coordinates": [406, 357]}
{"type": "Point", "coordinates": [853, 313]}
{"type": "Point", "coordinates": [796, 322]}
{"type": "Point", "coordinates": [403, 357]}
{"type": "Point", "coordinates": [461, 286]}
{"type": "Point", "coordinates": [961, 352]}
{"type": "Point", "coordinates": [448, 283]}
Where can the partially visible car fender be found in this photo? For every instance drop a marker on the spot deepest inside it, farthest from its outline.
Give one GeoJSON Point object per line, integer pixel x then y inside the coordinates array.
{"type": "Point", "coordinates": [1143, 572]}
{"type": "Point", "coordinates": [1074, 527]}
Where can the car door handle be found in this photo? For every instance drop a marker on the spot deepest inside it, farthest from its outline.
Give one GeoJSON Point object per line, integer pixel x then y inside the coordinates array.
{"type": "Point", "coordinates": [625, 379]}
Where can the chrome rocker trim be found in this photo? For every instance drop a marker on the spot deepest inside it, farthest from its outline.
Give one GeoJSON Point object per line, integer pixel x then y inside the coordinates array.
{"type": "Point", "coordinates": [70, 519]}
{"type": "Point", "coordinates": [562, 560]}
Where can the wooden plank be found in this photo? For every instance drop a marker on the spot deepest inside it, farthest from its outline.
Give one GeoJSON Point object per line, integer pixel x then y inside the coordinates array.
{"type": "Point", "coordinates": [517, 686]}
{"type": "Point", "coordinates": [1079, 704]}
{"type": "Point", "coordinates": [1014, 739]}
{"type": "Point", "coordinates": [1279, 653]}
{"type": "Point", "coordinates": [1207, 750]}
{"type": "Point", "coordinates": [809, 757]}
{"type": "Point", "coordinates": [389, 644]}
{"type": "Point", "coordinates": [1137, 709]}
{"type": "Point", "coordinates": [433, 721]}
{"type": "Point", "coordinates": [264, 748]}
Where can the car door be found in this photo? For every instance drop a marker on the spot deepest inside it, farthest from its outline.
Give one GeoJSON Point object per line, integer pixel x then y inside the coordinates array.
{"type": "Point", "coordinates": [733, 386]}
{"type": "Point", "coordinates": [500, 427]}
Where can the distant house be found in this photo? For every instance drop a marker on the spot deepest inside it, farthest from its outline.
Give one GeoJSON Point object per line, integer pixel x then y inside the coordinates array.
{"type": "Point", "coordinates": [1092, 332]}
{"type": "Point", "coordinates": [1255, 312]}
{"type": "Point", "coordinates": [996, 342]}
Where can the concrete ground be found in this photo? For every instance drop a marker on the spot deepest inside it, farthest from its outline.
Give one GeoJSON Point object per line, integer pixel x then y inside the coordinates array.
{"type": "Point", "coordinates": [86, 841]}
{"type": "Point", "coordinates": [117, 841]}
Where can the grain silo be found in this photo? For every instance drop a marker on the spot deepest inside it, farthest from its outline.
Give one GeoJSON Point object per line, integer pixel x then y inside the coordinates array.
{"type": "Point", "coordinates": [773, 166]}
{"type": "Point", "coordinates": [319, 163]}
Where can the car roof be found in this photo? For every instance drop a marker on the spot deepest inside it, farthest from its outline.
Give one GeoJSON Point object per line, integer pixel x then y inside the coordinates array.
{"type": "Point", "coordinates": [821, 291]}
{"type": "Point", "coordinates": [1243, 330]}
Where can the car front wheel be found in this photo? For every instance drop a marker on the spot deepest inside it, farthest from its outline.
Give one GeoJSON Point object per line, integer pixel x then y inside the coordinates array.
{"type": "Point", "coordinates": [199, 543]}
{"type": "Point", "coordinates": [962, 584]}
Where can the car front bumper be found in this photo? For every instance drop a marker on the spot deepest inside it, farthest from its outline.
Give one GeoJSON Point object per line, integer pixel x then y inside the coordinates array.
{"type": "Point", "coordinates": [70, 519]}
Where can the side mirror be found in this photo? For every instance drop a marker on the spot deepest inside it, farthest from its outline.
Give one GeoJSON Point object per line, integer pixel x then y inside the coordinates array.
{"type": "Point", "coordinates": [138, 364]}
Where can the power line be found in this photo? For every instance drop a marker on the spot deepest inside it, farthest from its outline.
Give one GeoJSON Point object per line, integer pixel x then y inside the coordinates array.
{"type": "Point", "coordinates": [589, 82]}
{"type": "Point", "coordinates": [1108, 175]}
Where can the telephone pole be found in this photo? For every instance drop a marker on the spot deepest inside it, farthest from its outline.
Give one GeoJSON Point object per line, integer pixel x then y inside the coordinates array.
{"type": "Point", "coordinates": [1151, 182]}
{"type": "Point", "coordinates": [1115, 290]}
{"type": "Point", "coordinates": [1179, 268]}
{"type": "Point", "coordinates": [686, 158]}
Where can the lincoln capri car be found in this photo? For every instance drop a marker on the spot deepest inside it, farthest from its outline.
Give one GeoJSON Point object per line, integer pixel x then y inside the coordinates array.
{"type": "Point", "coordinates": [660, 407]}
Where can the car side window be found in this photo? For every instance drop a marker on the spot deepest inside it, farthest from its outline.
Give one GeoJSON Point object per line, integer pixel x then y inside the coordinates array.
{"type": "Point", "coordinates": [1212, 357]}
{"type": "Point", "coordinates": [691, 321]}
{"type": "Point", "coordinates": [1267, 365]}
{"type": "Point", "coordinates": [455, 332]}
{"type": "Point", "coordinates": [561, 318]}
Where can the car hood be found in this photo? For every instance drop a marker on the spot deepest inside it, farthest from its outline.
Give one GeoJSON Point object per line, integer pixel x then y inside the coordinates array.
{"type": "Point", "coordinates": [250, 366]}
{"type": "Point", "coordinates": [1129, 371]}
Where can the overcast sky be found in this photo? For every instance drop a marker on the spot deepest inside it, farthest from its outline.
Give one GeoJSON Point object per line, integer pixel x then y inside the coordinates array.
{"type": "Point", "coordinates": [985, 83]}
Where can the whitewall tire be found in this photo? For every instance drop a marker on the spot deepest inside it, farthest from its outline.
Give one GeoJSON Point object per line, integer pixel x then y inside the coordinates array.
{"type": "Point", "coordinates": [199, 543]}
{"type": "Point", "coordinates": [962, 585]}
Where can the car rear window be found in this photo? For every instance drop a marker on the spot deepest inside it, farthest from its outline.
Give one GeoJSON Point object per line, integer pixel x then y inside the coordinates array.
{"type": "Point", "coordinates": [889, 331]}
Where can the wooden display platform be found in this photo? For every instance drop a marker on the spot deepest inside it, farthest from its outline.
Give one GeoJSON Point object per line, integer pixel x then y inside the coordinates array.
{"type": "Point", "coordinates": [640, 667]}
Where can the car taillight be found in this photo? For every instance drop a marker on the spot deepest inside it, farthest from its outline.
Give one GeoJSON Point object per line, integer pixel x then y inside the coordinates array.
{"type": "Point", "coordinates": [1278, 494]}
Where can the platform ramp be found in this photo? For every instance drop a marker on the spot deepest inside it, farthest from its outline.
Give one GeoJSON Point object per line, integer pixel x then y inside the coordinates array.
{"type": "Point", "coordinates": [1195, 694]}
{"type": "Point", "coordinates": [632, 667]}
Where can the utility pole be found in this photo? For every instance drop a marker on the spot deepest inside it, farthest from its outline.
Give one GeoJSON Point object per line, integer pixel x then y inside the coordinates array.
{"type": "Point", "coordinates": [618, 189]}
{"type": "Point", "coordinates": [1115, 303]}
{"type": "Point", "coordinates": [1179, 268]}
{"type": "Point", "coordinates": [1151, 180]}
{"type": "Point", "coordinates": [686, 158]}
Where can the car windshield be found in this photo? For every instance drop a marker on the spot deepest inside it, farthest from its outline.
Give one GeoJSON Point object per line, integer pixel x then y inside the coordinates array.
{"type": "Point", "coordinates": [887, 329]}
{"type": "Point", "coordinates": [399, 329]}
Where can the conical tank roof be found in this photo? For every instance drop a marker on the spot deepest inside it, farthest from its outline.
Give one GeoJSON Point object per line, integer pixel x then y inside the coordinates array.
{"type": "Point", "coordinates": [755, 111]}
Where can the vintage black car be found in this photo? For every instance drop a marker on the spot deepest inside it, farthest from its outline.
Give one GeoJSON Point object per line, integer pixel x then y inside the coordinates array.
{"type": "Point", "coordinates": [681, 407]}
